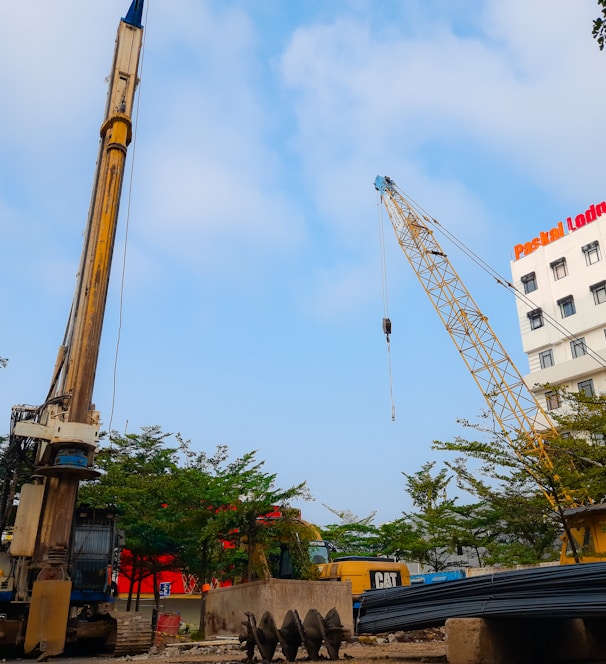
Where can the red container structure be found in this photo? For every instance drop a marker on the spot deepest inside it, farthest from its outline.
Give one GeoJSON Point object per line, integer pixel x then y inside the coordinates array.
{"type": "Point", "coordinates": [167, 625]}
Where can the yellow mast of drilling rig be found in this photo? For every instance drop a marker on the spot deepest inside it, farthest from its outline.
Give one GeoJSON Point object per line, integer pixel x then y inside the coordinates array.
{"type": "Point", "coordinates": [64, 431]}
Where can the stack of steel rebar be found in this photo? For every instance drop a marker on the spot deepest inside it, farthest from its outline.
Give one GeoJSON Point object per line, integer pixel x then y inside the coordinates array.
{"type": "Point", "coordinates": [569, 591]}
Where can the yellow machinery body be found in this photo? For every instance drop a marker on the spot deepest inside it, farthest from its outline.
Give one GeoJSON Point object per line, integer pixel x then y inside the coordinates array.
{"type": "Point", "coordinates": [587, 524]}
{"type": "Point", "coordinates": [366, 574]}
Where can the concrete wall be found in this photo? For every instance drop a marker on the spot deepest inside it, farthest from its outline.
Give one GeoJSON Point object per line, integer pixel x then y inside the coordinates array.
{"type": "Point", "coordinates": [524, 641]}
{"type": "Point", "coordinates": [226, 607]}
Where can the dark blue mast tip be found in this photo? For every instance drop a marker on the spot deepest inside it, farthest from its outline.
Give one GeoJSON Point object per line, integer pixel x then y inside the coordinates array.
{"type": "Point", "coordinates": [135, 14]}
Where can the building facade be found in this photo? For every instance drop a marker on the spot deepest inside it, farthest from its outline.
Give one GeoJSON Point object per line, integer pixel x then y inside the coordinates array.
{"type": "Point", "coordinates": [561, 275]}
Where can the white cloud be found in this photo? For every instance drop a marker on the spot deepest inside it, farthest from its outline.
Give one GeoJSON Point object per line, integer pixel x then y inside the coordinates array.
{"type": "Point", "coordinates": [55, 57]}
{"type": "Point", "coordinates": [526, 93]}
{"type": "Point", "coordinates": [213, 177]}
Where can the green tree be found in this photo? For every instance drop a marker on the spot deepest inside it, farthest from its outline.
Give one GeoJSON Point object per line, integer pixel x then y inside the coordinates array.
{"type": "Point", "coordinates": [354, 539]}
{"type": "Point", "coordinates": [428, 532]}
{"type": "Point", "coordinates": [197, 511]}
{"type": "Point", "coordinates": [177, 507]}
{"type": "Point", "coordinates": [399, 539]}
{"type": "Point", "coordinates": [253, 495]}
{"type": "Point", "coordinates": [518, 524]}
{"type": "Point", "coordinates": [138, 479]}
{"type": "Point", "coordinates": [217, 499]}
{"type": "Point", "coordinates": [583, 417]}
{"type": "Point", "coordinates": [599, 26]}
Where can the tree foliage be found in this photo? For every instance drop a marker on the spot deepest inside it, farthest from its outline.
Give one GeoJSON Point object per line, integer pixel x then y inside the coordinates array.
{"type": "Point", "coordinates": [599, 26]}
{"type": "Point", "coordinates": [582, 419]}
{"type": "Point", "coordinates": [430, 534]}
{"type": "Point", "coordinates": [256, 497]}
{"type": "Point", "coordinates": [137, 480]}
{"type": "Point", "coordinates": [204, 514]}
{"type": "Point", "coordinates": [354, 539]}
{"type": "Point", "coordinates": [518, 525]}
{"type": "Point", "coordinates": [435, 520]}
{"type": "Point", "coordinates": [514, 488]}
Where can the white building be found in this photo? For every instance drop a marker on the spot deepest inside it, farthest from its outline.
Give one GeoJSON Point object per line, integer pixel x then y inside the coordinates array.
{"type": "Point", "coordinates": [562, 272]}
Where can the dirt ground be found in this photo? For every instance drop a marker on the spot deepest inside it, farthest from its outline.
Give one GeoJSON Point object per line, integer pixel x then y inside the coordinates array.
{"type": "Point", "coordinates": [403, 647]}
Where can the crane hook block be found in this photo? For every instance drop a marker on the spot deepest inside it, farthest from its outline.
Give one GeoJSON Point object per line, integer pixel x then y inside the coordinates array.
{"type": "Point", "coordinates": [387, 327]}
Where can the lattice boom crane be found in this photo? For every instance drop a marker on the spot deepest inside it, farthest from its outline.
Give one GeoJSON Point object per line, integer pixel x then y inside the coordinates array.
{"type": "Point", "coordinates": [523, 421]}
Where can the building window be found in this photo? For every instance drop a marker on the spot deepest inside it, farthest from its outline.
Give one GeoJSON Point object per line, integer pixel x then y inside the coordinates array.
{"type": "Point", "coordinates": [599, 292]}
{"type": "Point", "coordinates": [566, 305]}
{"type": "Point", "coordinates": [546, 359]}
{"type": "Point", "coordinates": [552, 399]}
{"type": "Point", "coordinates": [536, 318]}
{"type": "Point", "coordinates": [559, 268]}
{"type": "Point", "coordinates": [592, 252]}
{"type": "Point", "coordinates": [578, 347]}
{"type": "Point", "coordinates": [530, 282]}
{"type": "Point", "coordinates": [586, 387]}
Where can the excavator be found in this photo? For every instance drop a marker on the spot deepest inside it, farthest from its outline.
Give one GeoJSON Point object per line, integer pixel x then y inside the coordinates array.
{"type": "Point", "coordinates": [56, 557]}
{"type": "Point", "coordinates": [364, 572]}
{"type": "Point", "coordinates": [525, 424]}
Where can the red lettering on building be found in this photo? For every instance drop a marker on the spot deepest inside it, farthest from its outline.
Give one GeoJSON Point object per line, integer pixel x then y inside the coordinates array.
{"type": "Point", "coordinates": [547, 237]}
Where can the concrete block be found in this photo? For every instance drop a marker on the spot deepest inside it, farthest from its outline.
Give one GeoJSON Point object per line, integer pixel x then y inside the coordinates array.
{"type": "Point", "coordinates": [595, 633]}
{"type": "Point", "coordinates": [468, 642]}
{"type": "Point", "coordinates": [226, 608]}
{"type": "Point", "coordinates": [515, 641]}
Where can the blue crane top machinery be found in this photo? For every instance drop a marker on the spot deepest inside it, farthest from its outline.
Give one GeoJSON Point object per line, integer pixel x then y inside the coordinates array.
{"type": "Point", "coordinates": [45, 599]}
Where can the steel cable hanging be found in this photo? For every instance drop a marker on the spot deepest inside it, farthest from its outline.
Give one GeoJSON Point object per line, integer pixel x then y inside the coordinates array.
{"type": "Point", "coordinates": [386, 319]}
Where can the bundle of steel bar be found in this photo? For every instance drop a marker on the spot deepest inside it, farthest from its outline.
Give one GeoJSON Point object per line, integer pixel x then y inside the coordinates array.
{"type": "Point", "coordinates": [569, 591]}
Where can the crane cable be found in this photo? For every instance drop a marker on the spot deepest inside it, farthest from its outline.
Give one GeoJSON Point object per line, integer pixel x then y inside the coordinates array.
{"type": "Point", "coordinates": [386, 319]}
{"type": "Point", "coordinates": [126, 228]}
{"type": "Point", "coordinates": [503, 281]}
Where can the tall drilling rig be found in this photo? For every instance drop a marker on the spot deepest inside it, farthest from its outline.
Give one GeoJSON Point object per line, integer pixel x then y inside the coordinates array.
{"type": "Point", "coordinates": [55, 568]}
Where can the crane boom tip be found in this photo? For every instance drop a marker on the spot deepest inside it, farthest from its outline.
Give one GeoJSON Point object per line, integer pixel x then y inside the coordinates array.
{"type": "Point", "coordinates": [135, 14]}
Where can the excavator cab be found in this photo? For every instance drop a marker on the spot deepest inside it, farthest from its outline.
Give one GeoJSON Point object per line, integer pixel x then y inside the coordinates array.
{"type": "Point", "coordinates": [587, 525]}
{"type": "Point", "coordinates": [319, 552]}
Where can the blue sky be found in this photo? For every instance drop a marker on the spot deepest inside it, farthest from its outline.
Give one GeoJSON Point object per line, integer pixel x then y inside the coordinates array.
{"type": "Point", "coordinates": [252, 298]}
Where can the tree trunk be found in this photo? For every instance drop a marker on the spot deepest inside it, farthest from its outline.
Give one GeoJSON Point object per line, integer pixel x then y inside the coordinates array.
{"type": "Point", "coordinates": [139, 582]}
{"type": "Point", "coordinates": [156, 590]}
{"type": "Point", "coordinates": [201, 626]}
{"type": "Point", "coordinates": [131, 585]}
